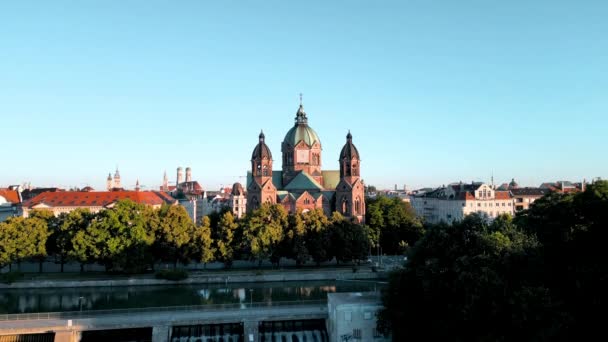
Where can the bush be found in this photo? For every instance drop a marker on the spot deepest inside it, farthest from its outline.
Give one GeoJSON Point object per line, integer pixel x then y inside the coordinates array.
{"type": "Point", "coordinates": [172, 274]}
{"type": "Point", "coordinates": [11, 277]}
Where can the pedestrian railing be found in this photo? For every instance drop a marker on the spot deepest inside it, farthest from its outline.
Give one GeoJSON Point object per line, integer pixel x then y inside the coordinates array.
{"type": "Point", "coordinates": [157, 309]}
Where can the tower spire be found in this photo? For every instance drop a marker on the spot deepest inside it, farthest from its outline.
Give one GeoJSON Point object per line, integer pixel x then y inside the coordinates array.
{"type": "Point", "coordinates": [300, 99]}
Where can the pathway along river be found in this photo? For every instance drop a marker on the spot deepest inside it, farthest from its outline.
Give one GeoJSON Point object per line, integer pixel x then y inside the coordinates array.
{"type": "Point", "coordinates": [104, 298]}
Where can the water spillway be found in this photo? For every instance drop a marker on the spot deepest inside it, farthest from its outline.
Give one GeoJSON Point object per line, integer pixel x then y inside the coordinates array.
{"type": "Point", "coordinates": [46, 337]}
{"type": "Point", "coordinates": [293, 331]}
{"type": "Point", "coordinates": [228, 332]}
{"type": "Point", "coordinates": [118, 335]}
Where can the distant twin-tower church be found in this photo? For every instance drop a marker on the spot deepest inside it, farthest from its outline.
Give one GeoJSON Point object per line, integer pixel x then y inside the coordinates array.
{"type": "Point", "coordinates": [302, 183]}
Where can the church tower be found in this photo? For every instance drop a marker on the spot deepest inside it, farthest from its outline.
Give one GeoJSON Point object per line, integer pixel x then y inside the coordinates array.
{"type": "Point", "coordinates": [350, 193]}
{"type": "Point", "coordinates": [261, 190]}
{"type": "Point", "coordinates": [301, 150]}
{"type": "Point", "coordinates": [165, 182]}
{"type": "Point", "coordinates": [117, 179]}
{"type": "Point", "coordinates": [180, 176]}
{"type": "Point", "coordinates": [109, 182]}
{"type": "Point", "coordinates": [188, 174]}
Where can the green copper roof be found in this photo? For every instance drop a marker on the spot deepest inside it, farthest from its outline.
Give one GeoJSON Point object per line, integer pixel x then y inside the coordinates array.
{"type": "Point", "coordinates": [277, 179]}
{"type": "Point", "coordinates": [303, 181]}
{"type": "Point", "coordinates": [331, 178]}
{"type": "Point", "coordinates": [301, 132]}
{"type": "Point", "coordinates": [329, 194]}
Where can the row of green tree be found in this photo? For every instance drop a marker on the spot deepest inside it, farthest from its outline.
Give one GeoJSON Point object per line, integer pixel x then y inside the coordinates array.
{"type": "Point", "coordinates": [542, 276]}
{"type": "Point", "coordinates": [132, 237]}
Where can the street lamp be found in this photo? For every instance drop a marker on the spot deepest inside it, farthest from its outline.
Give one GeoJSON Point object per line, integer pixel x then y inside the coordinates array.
{"type": "Point", "coordinates": [80, 302]}
{"type": "Point", "coordinates": [250, 297]}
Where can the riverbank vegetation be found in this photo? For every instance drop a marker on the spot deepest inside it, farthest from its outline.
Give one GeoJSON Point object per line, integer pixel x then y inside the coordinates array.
{"type": "Point", "coordinates": [132, 238]}
{"type": "Point", "coordinates": [541, 276]}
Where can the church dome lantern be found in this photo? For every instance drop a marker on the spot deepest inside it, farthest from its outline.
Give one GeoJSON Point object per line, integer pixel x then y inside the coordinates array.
{"type": "Point", "coordinates": [261, 150]}
{"type": "Point", "coordinates": [301, 131]}
{"type": "Point", "coordinates": [349, 151]}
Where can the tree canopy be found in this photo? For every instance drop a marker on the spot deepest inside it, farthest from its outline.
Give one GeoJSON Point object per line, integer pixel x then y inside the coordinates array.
{"type": "Point", "coordinates": [393, 224]}
{"type": "Point", "coordinates": [541, 276]}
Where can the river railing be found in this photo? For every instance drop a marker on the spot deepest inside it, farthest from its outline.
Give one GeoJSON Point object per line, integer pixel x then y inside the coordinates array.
{"type": "Point", "coordinates": [157, 309]}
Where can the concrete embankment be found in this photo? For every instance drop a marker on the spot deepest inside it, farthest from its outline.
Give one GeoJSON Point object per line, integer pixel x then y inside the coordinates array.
{"type": "Point", "coordinates": [207, 278]}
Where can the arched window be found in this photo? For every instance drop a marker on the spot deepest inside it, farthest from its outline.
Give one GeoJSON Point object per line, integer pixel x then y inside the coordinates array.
{"type": "Point", "coordinates": [265, 170]}
{"type": "Point", "coordinates": [344, 206]}
{"type": "Point", "coordinates": [357, 206]}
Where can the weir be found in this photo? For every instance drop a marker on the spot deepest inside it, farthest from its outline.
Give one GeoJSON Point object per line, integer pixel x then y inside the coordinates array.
{"type": "Point", "coordinates": [226, 323]}
{"type": "Point", "coordinates": [293, 331]}
{"type": "Point", "coordinates": [228, 332]}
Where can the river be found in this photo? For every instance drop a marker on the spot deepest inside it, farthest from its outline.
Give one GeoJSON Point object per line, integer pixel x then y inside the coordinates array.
{"type": "Point", "coordinates": [103, 298]}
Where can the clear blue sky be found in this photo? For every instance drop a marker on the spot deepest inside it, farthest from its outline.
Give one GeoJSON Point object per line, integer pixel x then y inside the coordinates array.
{"type": "Point", "coordinates": [433, 91]}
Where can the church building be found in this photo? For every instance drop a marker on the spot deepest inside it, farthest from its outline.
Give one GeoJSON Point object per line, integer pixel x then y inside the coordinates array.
{"type": "Point", "coordinates": [302, 183]}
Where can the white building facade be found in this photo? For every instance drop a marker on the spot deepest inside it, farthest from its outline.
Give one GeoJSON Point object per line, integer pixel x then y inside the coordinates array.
{"type": "Point", "coordinates": [454, 202]}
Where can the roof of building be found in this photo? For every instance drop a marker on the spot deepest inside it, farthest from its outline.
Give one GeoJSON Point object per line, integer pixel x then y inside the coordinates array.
{"type": "Point", "coordinates": [261, 150]}
{"type": "Point", "coordinates": [342, 298]}
{"type": "Point", "coordinates": [237, 189]}
{"type": "Point", "coordinates": [190, 187]}
{"type": "Point", "coordinates": [31, 193]}
{"type": "Point", "coordinates": [463, 192]}
{"type": "Point", "coordinates": [11, 196]}
{"type": "Point", "coordinates": [97, 199]}
{"type": "Point", "coordinates": [502, 195]}
{"type": "Point", "coordinates": [503, 186]}
{"type": "Point", "coordinates": [529, 192]}
{"type": "Point", "coordinates": [303, 181]}
{"type": "Point", "coordinates": [301, 131]}
{"type": "Point", "coordinates": [331, 178]}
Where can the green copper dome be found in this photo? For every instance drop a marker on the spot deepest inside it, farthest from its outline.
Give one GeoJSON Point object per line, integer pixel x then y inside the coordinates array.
{"type": "Point", "coordinates": [301, 131]}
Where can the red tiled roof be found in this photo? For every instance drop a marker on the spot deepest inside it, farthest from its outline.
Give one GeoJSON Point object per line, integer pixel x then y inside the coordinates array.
{"type": "Point", "coordinates": [502, 195]}
{"type": "Point", "coordinates": [166, 196]}
{"type": "Point", "coordinates": [97, 199]}
{"type": "Point", "coordinates": [11, 196]}
{"type": "Point", "coordinates": [465, 195]}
